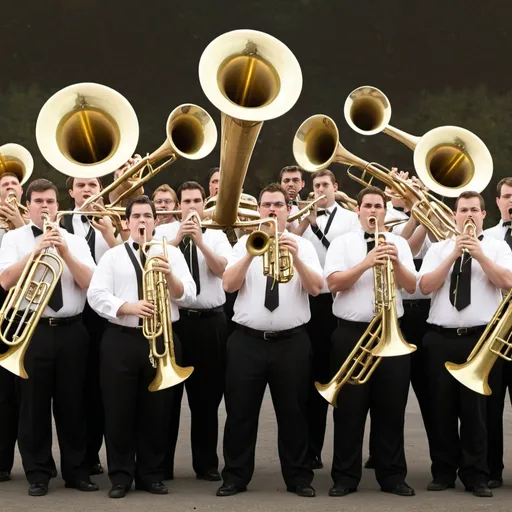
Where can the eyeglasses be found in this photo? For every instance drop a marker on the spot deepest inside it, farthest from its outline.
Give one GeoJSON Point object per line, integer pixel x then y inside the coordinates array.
{"type": "Point", "coordinates": [278, 205]}
{"type": "Point", "coordinates": [164, 201]}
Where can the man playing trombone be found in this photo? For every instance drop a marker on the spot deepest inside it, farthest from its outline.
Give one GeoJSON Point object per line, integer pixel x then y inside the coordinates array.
{"type": "Point", "coordinates": [55, 360]}
{"type": "Point", "coordinates": [465, 276]}
{"type": "Point", "coordinates": [136, 419]}
{"type": "Point", "coordinates": [202, 330]}
{"type": "Point", "coordinates": [350, 266]}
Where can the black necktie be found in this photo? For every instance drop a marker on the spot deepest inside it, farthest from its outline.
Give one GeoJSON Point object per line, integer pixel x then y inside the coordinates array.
{"type": "Point", "coordinates": [189, 250]}
{"type": "Point", "coordinates": [90, 238]}
{"type": "Point", "coordinates": [136, 247]}
{"type": "Point", "coordinates": [508, 233]}
{"type": "Point", "coordinates": [56, 301]}
{"type": "Point", "coordinates": [370, 241]}
{"type": "Point", "coordinates": [319, 213]}
{"type": "Point", "coordinates": [271, 294]}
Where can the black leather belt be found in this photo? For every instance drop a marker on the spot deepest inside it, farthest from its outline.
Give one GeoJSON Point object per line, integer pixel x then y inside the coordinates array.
{"type": "Point", "coordinates": [459, 331]}
{"type": "Point", "coordinates": [124, 328]}
{"type": "Point", "coordinates": [55, 322]}
{"type": "Point", "coordinates": [415, 303]}
{"type": "Point", "coordinates": [270, 335]}
{"type": "Point", "coordinates": [202, 312]}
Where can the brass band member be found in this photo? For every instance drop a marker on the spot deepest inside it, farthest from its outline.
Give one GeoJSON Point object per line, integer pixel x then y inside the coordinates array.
{"type": "Point", "coordinates": [349, 267]}
{"type": "Point", "coordinates": [291, 178]}
{"type": "Point", "coordinates": [99, 235]}
{"type": "Point", "coordinates": [270, 346]}
{"type": "Point", "coordinates": [323, 226]}
{"type": "Point", "coordinates": [213, 181]}
{"type": "Point", "coordinates": [136, 420]}
{"type": "Point", "coordinates": [165, 198]}
{"type": "Point", "coordinates": [465, 294]}
{"type": "Point", "coordinates": [56, 357]}
{"type": "Point", "coordinates": [9, 183]}
{"type": "Point", "coordinates": [202, 329]}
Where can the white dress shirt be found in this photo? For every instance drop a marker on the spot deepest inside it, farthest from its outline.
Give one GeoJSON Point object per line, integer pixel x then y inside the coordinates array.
{"type": "Point", "coordinates": [212, 293]}
{"type": "Point", "coordinates": [485, 297]}
{"type": "Point", "coordinates": [293, 309]}
{"type": "Point", "coordinates": [18, 243]}
{"type": "Point", "coordinates": [497, 232]}
{"type": "Point", "coordinates": [343, 222]}
{"type": "Point", "coordinates": [115, 282]}
{"type": "Point", "coordinates": [393, 214]}
{"type": "Point", "coordinates": [357, 303]}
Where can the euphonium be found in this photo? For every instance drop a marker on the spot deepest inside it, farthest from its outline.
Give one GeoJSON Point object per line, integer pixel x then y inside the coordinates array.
{"type": "Point", "coordinates": [158, 327]}
{"type": "Point", "coordinates": [495, 342]}
{"type": "Point", "coordinates": [26, 302]}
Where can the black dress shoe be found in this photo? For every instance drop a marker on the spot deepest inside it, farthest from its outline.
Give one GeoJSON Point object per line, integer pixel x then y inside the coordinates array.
{"type": "Point", "coordinates": [338, 490]}
{"type": "Point", "coordinates": [39, 489]}
{"type": "Point", "coordinates": [480, 490]}
{"type": "Point", "coordinates": [369, 464]}
{"type": "Point", "coordinates": [82, 485]}
{"type": "Point", "coordinates": [153, 488]}
{"type": "Point", "coordinates": [96, 469]}
{"type": "Point", "coordinates": [492, 484]}
{"type": "Point", "coordinates": [436, 485]}
{"type": "Point", "coordinates": [306, 491]}
{"type": "Point", "coordinates": [5, 476]}
{"type": "Point", "coordinates": [400, 489]}
{"type": "Point", "coordinates": [229, 490]}
{"type": "Point", "coordinates": [316, 463]}
{"type": "Point", "coordinates": [118, 491]}
{"type": "Point", "coordinates": [212, 475]}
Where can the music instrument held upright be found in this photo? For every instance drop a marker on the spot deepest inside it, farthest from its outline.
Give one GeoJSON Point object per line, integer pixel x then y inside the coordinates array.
{"type": "Point", "coordinates": [382, 337]}
{"type": "Point", "coordinates": [159, 325]}
{"type": "Point", "coordinates": [448, 159]}
{"type": "Point", "coordinates": [251, 77]}
{"type": "Point", "coordinates": [26, 302]}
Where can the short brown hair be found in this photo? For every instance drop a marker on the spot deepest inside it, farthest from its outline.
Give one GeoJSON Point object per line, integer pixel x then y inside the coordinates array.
{"type": "Point", "coordinates": [140, 200]}
{"type": "Point", "coordinates": [165, 188]}
{"type": "Point", "coordinates": [503, 181]}
{"type": "Point", "coordinates": [70, 182]}
{"type": "Point", "coordinates": [41, 185]}
{"type": "Point", "coordinates": [291, 168]}
{"type": "Point", "coordinates": [211, 172]}
{"type": "Point", "coordinates": [10, 174]}
{"type": "Point", "coordinates": [371, 190]}
{"type": "Point", "coordinates": [274, 187]}
{"type": "Point", "coordinates": [191, 185]}
{"type": "Point", "coordinates": [469, 194]}
{"type": "Point", "coordinates": [323, 173]}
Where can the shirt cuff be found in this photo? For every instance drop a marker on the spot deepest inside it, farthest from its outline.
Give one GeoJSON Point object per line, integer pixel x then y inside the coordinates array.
{"type": "Point", "coordinates": [115, 304]}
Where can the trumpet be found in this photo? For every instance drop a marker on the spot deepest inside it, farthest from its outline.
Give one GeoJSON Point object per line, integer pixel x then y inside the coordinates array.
{"type": "Point", "coordinates": [159, 325]}
{"type": "Point", "coordinates": [305, 210]}
{"type": "Point", "coordinates": [382, 337]}
{"type": "Point", "coordinates": [11, 198]}
{"type": "Point", "coordinates": [468, 229]}
{"type": "Point", "coordinates": [26, 302]}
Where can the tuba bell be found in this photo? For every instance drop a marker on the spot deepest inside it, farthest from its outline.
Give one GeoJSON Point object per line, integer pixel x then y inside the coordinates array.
{"type": "Point", "coordinates": [17, 160]}
{"type": "Point", "coordinates": [251, 77]}
{"type": "Point", "coordinates": [26, 302]}
{"type": "Point", "coordinates": [448, 159]}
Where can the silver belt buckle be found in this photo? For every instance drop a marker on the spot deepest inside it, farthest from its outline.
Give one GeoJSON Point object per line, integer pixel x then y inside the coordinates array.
{"type": "Point", "coordinates": [267, 335]}
{"type": "Point", "coordinates": [461, 331]}
{"type": "Point", "coordinates": [52, 322]}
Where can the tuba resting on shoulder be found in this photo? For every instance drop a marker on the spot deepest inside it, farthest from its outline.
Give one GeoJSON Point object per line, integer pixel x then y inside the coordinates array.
{"type": "Point", "coordinates": [382, 337]}
{"type": "Point", "coordinates": [26, 302]}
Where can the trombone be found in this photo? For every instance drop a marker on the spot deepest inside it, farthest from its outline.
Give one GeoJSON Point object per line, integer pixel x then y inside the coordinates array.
{"type": "Point", "coordinates": [26, 302]}
{"type": "Point", "coordinates": [159, 325]}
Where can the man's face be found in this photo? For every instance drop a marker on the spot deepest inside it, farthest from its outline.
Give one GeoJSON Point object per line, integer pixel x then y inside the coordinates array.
{"type": "Point", "coordinates": [470, 209]}
{"type": "Point", "coordinates": [42, 201]}
{"type": "Point", "coordinates": [141, 217]}
{"type": "Point", "coordinates": [272, 204]}
{"type": "Point", "coordinates": [191, 200]}
{"type": "Point", "coordinates": [8, 183]}
{"type": "Point", "coordinates": [324, 186]}
{"type": "Point", "coordinates": [214, 183]}
{"type": "Point", "coordinates": [83, 189]}
{"type": "Point", "coordinates": [372, 205]}
{"type": "Point", "coordinates": [163, 201]}
{"type": "Point", "coordinates": [504, 202]}
{"type": "Point", "coordinates": [293, 183]}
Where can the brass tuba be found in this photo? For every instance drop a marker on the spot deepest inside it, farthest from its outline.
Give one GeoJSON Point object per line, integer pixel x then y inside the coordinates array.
{"type": "Point", "coordinates": [382, 337]}
{"type": "Point", "coordinates": [26, 302]}
{"type": "Point", "coordinates": [159, 325]}
{"type": "Point", "coordinates": [448, 159]}
{"type": "Point", "coordinates": [251, 77]}
{"type": "Point", "coordinates": [494, 343]}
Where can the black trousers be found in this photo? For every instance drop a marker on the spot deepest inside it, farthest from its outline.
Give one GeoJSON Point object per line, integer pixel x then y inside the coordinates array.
{"type": "Point", "coordinates": [385, 397]}
{"type": "Point", "coordinates": [320, 329]}
{"type": "Point", "coordinates": [251, 364]}
{"type": "Point", "coordinates": [450, 401]}
{"type": "Point", "coordinates": [228, 309]}
{"type": "Point", "coordinates": [203, 346]}
{"type": "Point", "coordinates": [56, 363]}
{"type": "Point", "coordinates": [94, 416]}
{"type": "Point", "coordinates": [136, 419]}
{"type": "Point", "coordinates": [8, 419]}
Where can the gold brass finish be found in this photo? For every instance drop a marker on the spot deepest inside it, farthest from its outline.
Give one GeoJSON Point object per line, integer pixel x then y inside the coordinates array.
{"type": "Point", "coordinates": [305, 210]}
{"type": "Point", "coordinates": [26, 302]}
{"type": "Point", "coordinates": [17, 160]}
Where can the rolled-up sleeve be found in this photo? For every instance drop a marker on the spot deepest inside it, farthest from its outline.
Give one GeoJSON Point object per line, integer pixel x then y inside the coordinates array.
{"type": "Point", "coordinates": [180, 270]}
{"type": "Point", "coordinates": [309, 256]}
{"type": "Point", "coordinates": [335, 258]}
{"type": "Point", "coordinates": [8, 252]}
{"type": "Point", "coordinates": [83, 253]}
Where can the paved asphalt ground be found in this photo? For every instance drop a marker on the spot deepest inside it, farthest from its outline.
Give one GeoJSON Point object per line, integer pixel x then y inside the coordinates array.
{"type": "Point", "coordinates": [267, 491]}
